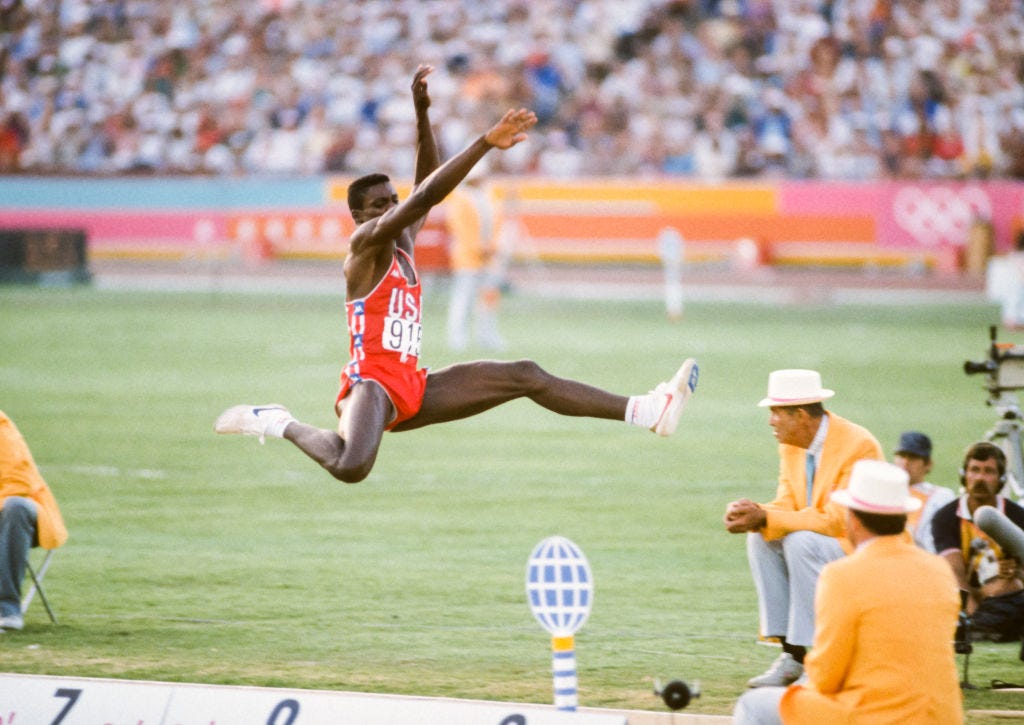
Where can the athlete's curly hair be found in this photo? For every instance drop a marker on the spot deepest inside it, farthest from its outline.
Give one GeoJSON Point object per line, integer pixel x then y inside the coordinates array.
{"type": "Point", "coordinates": [357, 189]}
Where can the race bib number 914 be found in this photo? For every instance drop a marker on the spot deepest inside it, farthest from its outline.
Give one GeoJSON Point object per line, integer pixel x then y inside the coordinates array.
{"type": "Point", "coordinates": [402, 336]}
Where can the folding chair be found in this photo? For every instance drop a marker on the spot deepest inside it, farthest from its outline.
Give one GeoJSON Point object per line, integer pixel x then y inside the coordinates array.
{"type": "Point", "coordinates": [37, 584]}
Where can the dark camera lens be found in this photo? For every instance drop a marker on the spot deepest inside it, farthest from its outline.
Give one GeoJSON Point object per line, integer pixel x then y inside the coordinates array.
{"type": "Point", "coordinates": [973, 368]}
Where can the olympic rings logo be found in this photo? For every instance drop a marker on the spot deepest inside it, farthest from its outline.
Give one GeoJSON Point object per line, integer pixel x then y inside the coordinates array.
{"type": "Point", "coordinates": [938, 215]}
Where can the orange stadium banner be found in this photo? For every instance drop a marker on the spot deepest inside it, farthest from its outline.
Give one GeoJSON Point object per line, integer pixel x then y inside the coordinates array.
{"type": "Point", "coordinates": [924, 225]}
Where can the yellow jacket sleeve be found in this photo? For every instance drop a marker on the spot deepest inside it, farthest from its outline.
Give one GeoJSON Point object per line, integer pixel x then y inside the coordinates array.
{"type": "Point", "coordinates": [19, 476]}
{"type": "Point", "coordinates": [845, 444]}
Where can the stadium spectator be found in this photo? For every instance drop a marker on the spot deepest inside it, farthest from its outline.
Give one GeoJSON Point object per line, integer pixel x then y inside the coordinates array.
{"type": "Point", "coordinates": [914, 455]}
{"type": "Point", "coordinates": [990, 578]}
{"type": "Point", "coordinates": [792, 537]}
{"type": "Point", "coordinates": [558, 158]}
{"type": "Point", "coordinates": [772, 126]}
{"type": "Point", "coordinates": [715, 148]}
{"type": "Point", "coordinates": [69, 67]}
{"type": "Point", "coordinates": [381, 387]}
{"type": "Point", "coordinates": [29, 517]}
{"type": "Point", "coordinates": [14, 135]}
{"type": "Point", "coordinates": [867, 664]}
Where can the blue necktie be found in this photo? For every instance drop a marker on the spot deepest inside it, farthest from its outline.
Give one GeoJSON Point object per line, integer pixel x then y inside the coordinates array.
{"type": "Point", "coordinates": [810, 477]}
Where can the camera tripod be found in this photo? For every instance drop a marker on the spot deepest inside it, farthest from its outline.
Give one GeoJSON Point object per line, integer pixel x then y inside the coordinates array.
{"type": "Point", "coordinates": [1006, 433]}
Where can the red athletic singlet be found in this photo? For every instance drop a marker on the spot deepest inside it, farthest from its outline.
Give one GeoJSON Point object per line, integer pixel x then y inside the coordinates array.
{"type": "Point", "coordinates": [384, 341]}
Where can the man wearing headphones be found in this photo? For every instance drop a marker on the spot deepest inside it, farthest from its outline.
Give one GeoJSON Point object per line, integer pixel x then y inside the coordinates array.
{"type": "Point", "coordinates": [978, 534]}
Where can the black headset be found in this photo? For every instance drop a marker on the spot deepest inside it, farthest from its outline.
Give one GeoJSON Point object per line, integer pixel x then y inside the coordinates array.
{"type": "Point", "coordinates": [982, 451]}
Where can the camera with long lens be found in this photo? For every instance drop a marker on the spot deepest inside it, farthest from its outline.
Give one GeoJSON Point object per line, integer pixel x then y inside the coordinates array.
{"type": "Point", "coordinates": [1004, 368]}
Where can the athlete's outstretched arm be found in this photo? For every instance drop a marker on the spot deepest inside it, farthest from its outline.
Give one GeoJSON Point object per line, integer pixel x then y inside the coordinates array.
{"type": "Point", "coordinates": [427, 156]}
{"type": "Point", "coordinates": [505, 134]}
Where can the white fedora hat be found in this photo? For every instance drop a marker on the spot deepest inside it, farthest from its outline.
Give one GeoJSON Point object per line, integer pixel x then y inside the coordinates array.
{"type": "Point", "coordinates": [878, 487]}
{"type": "Point", "coordinates": [795, 387]}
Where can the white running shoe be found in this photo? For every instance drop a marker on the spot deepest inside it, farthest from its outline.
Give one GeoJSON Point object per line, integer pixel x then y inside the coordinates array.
{"type": "Point", "coordinates": [674, 396]}
{"type": "Point", "coordinates": [12, 621]}
{"type": "Point", "coordinates": [252, 420]}
{"type": "Point", "coordinates": [784, 672]}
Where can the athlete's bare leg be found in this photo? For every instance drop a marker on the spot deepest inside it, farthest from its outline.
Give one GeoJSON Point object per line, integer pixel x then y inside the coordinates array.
{"type": "Point", "coordinates": [452, 393]}
{"type": "Point", "coordinates": [466, 389]}
{"type": "Point", "coordinates": [349, 453]}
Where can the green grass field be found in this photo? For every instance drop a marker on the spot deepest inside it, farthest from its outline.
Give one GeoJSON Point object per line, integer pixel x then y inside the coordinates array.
{"type": "Point", "coordinates": [201, 558]}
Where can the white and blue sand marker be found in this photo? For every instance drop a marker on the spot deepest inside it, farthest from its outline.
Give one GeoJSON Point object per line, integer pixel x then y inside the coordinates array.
{"type": "Point", "coordinates": [560, 590]}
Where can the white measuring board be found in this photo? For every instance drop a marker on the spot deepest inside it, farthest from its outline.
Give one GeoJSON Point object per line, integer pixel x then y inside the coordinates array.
{"type": "Point", "coordinates": [49, 700]}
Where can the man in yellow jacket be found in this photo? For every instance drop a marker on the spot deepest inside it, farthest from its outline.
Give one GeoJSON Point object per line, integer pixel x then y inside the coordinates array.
{"type": "Point", "coordinates": [867, 665]}
{"type": "Point", "coordinates": [791, 538]}
{"type": "Point", "coordinates": [29, 517]}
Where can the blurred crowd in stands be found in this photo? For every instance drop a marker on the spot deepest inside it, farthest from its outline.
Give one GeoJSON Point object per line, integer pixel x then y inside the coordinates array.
{"type": "Point", "coordinates": [705, 89]}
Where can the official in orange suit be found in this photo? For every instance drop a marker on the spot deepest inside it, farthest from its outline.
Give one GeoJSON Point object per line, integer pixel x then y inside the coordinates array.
{"type": "Point", "coordinates": [29, 517]}
{"type": "Point", "coordinates": [867, 665]}
{"type": "Point", "coordinates": [791, 538]}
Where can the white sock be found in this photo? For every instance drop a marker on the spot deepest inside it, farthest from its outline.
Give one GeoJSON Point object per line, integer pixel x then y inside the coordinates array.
{"type": "Point", "coordinates": [643, 410]}
{"type": "Point", "coordinates": [278, 422]}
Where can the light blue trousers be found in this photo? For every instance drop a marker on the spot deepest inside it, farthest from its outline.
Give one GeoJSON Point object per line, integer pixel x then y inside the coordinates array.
{"type": "Point", "coordinates": [465, 307]}
{"type": "Point", "coordinates": [759, 706]}
{"type": "Point", "coordinates": [785, 574]}
{"type": "Point", "coordinates": [17, 536]}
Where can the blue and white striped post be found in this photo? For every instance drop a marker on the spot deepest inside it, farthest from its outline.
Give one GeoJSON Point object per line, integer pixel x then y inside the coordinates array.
{"type": "Point", "coordinates": [563, 670]}
{"type": "Point", "coordinates": [560, 590]}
